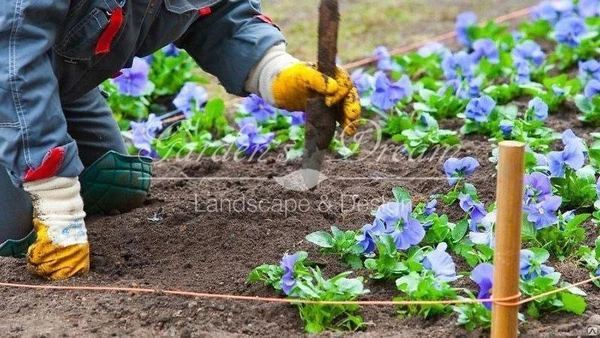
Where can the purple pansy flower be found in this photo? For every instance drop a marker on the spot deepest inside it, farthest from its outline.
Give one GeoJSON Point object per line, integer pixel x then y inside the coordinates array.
{"type": "Point", "coordinates": [142, 134]}
{"type": "Point", "coordinates": [133, 81]}
{"type": "Point", "coordinates": [572, 156]}
{"type": "Point", "coordinates": [483, 275]}
{"type": "Point", "coordinates": [553, 10]}
{"type": "Point", "coordinates": [369, 233]}
{"type": "Point", "coordinates": [430, 208]}
{"type": "Point", "coordinates": [432, 48]}
{"type": "Point", "coordinates": [588, 8]}
{"type": "Point", "coordinates": [539, 108]}
{"type": "Point", "coordinates": [384, 59]}
{"type": "Point", "coordinates": [260, 109]}
{"type": "Point", "coordinates": [589, 70]}
{"type": "Point", "coordinates": [543, 213]}
{"type": "Point", "coordinates": [399, 223]}
{"type": "Point", "coordinates": [598, 188]}
{"type": "Point", "coordinates": [441, 263]}
{"type": "Point", "coordinates": [506, 127]}
{"type": "Point", "coordinates": [485, 236]}
{"type": "Point", "coordinates": [537, 187]}
{"type": "Point", "coordinates": [485, 48]}
{"type": "Point", "coordinates": [570, 31]}
{"type": "Point", "coordinates": [569, 137]}
{"type": "Point", "coordinates": [523, 71]}
{"type": "Point", "coordinates": [455, 168]}
{"type": "Point", "coordinates": [464, 21]}
{"type": "Point", "coordinates": [362, 80]}
{"type": "Point", "coordinates": [592, 88]}
{"type": "Point", "coordinates": [530, 268]}
{"type": "Point", "coordinates": [288, 282]}
{"type": "Point", "coordinates": [298, 118]}
{"type": "Point", "coordinates": [476, 210]}
{"type": "Point", "coordinates": [530, 51]}
{"type": "Point", "coordinates": [171, 50]}
{"type": "Point", "coordinates": [250, 140]}
{"type": "Point", "coordinates": [480, 108]}
{"type": "Point", "coordinates": [387, 94]}
{"type": "Point", "coordinates": [191, 98]}
{"type": "Point", "coordinates": [458, 65]}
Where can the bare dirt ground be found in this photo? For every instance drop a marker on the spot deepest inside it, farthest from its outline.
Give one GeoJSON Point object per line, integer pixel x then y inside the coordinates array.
{"type": "Point", "coordinates": [173, 242]}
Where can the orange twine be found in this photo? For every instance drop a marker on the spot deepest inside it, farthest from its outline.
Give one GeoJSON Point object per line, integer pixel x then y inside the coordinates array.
{"type": "Point", "coordinates": [505, 301]}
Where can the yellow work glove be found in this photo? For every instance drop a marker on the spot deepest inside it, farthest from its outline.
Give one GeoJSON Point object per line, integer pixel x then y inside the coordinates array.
{"type": "Point", "coordinates": [61, 249]}
{"type": "Point", "coordinates": [294, 85]}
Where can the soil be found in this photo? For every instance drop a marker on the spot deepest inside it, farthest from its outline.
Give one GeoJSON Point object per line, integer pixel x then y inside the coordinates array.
{"type": "Point", "coordinates": [178, 241]}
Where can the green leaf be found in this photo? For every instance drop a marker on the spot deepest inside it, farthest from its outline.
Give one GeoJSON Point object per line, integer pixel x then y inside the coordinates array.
{"type": "Point", "coordinates": [321, 238]}
{"type": "Point", "coordinates": [573, 303]}
{"type": "Point", "coordinates": [401, 194]}
{"type": "Point", "coordinates": [460, 230]}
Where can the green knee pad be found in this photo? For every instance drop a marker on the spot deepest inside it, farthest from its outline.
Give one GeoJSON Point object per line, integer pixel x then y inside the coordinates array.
{"type": "Point", "coordinates": [17, 248]}
{"type": "Point", "coordinates": [115, 182]}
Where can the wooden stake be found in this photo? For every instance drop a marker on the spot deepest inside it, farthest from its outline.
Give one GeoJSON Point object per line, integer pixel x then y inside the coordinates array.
{"type": "Point", "coordinates": [509, 201]}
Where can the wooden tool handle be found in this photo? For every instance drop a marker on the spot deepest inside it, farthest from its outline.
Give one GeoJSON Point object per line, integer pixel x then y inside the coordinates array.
{"type": "Point", "coordinates": [329, 21]}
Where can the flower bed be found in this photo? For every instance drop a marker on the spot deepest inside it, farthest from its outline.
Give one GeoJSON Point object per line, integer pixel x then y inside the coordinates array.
{"type": "Point", "coordinates": [504, 86]}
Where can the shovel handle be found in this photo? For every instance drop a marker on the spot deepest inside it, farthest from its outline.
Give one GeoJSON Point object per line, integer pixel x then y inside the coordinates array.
{"type": "Point", "coordinates": [329, 21]}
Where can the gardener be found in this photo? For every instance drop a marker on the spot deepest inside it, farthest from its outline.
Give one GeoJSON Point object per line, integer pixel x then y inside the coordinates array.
{"type": "Point", "coordinates": [55, 122]}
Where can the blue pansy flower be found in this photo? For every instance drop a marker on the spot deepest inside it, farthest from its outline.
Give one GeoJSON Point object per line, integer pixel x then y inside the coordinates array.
{"type": "Point", "coordinates": [297, 118]}
{"type": "Point", "coordinates": [552, 11]}
{"type": "Point", "coordinates": [433, 48]}
{"type": "Point", "coordinates": [455, 168]}
{"type": "Point", "coordinates": [430, 208]}
{"type": "Point", "coordinates": [399, 223]}
{"type": "Point", "coordinates": [543, 214]}
{"type": "Point", "coordinates": [506, 127]}
{"type": "Point", "coordinates": [483, 275]}
{"type": "Point", "coordinates": [288, 282]}
{"type": "Point", "coordinates": [171, 50]}
{"type": "Point", "coordinates": [480, 108]}
{"type": "Point", "coordinates": [592, 89]}
{"type": "Point", "coordinates": [530, 268]}
{"type": "Point", "coordinates": [142, 134]}
{"type": "Point", "coordinates": [192, 96]}
{"type": "Point", "coordinates": [539, 108]}
{"type": "Point", "coordinates": [134, 81]}
{"type": "Point", "coordinates": [588, 8]}
{"type": "Point", "coordinates": [463, 22]}
{"type": "Point", "coordinates": [384, 60]}
{"type": "Point", "coordinates": [570, 31]}
{"type": "Point", "coordinates": [537, 187]}
{"type": "Point", "coordinates": [362, 80]}
{"type": "Point", "coordinates": [250, 140]}
{"type": "Point", "coordinates": [476, 210]}
{"type": "Point", "coordinates": [589, 70]}
{"type": "Point", "coordinates": [529, 51]}
{"type": "Point", "coordinates": [260, 109]}
{"type": "Point", "coordinates": [369, 233]}
{"type": "Point", "coordinates": [441, 263]}
{"type": "Point", "coordinates": [485, 48]}
{"type": "Point", "coordinates": [523, 71]}
{"type": "Point", "coordinates": [387, 94]}
{"type": "Point", "coordinates": [572, 156]}
{"type": "Point", "coordinates": [483, 234]}
{"type": "Point", "coordinates": [458, 65]}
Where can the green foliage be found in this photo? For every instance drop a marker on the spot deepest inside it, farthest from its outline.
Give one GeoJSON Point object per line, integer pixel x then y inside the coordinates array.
{"type": "Point", "coordinates": [568, 301]}
{"type": "Point", "coordinates": [424, 287]}
{"type": "Point", "coordinates": [317, 317]}
{"type": "Point", "coordinates": [339, 243]}
{"type": "Point", "coordinates": [202, 134]}
{"type": "Point", "coordinates": [561, 240]}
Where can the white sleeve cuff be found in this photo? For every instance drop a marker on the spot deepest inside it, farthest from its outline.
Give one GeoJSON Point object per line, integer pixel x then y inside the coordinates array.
{"type": "Point", "coordinates": [260, 80]}
{"type": "Point", "coordinates": [58, 204]}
